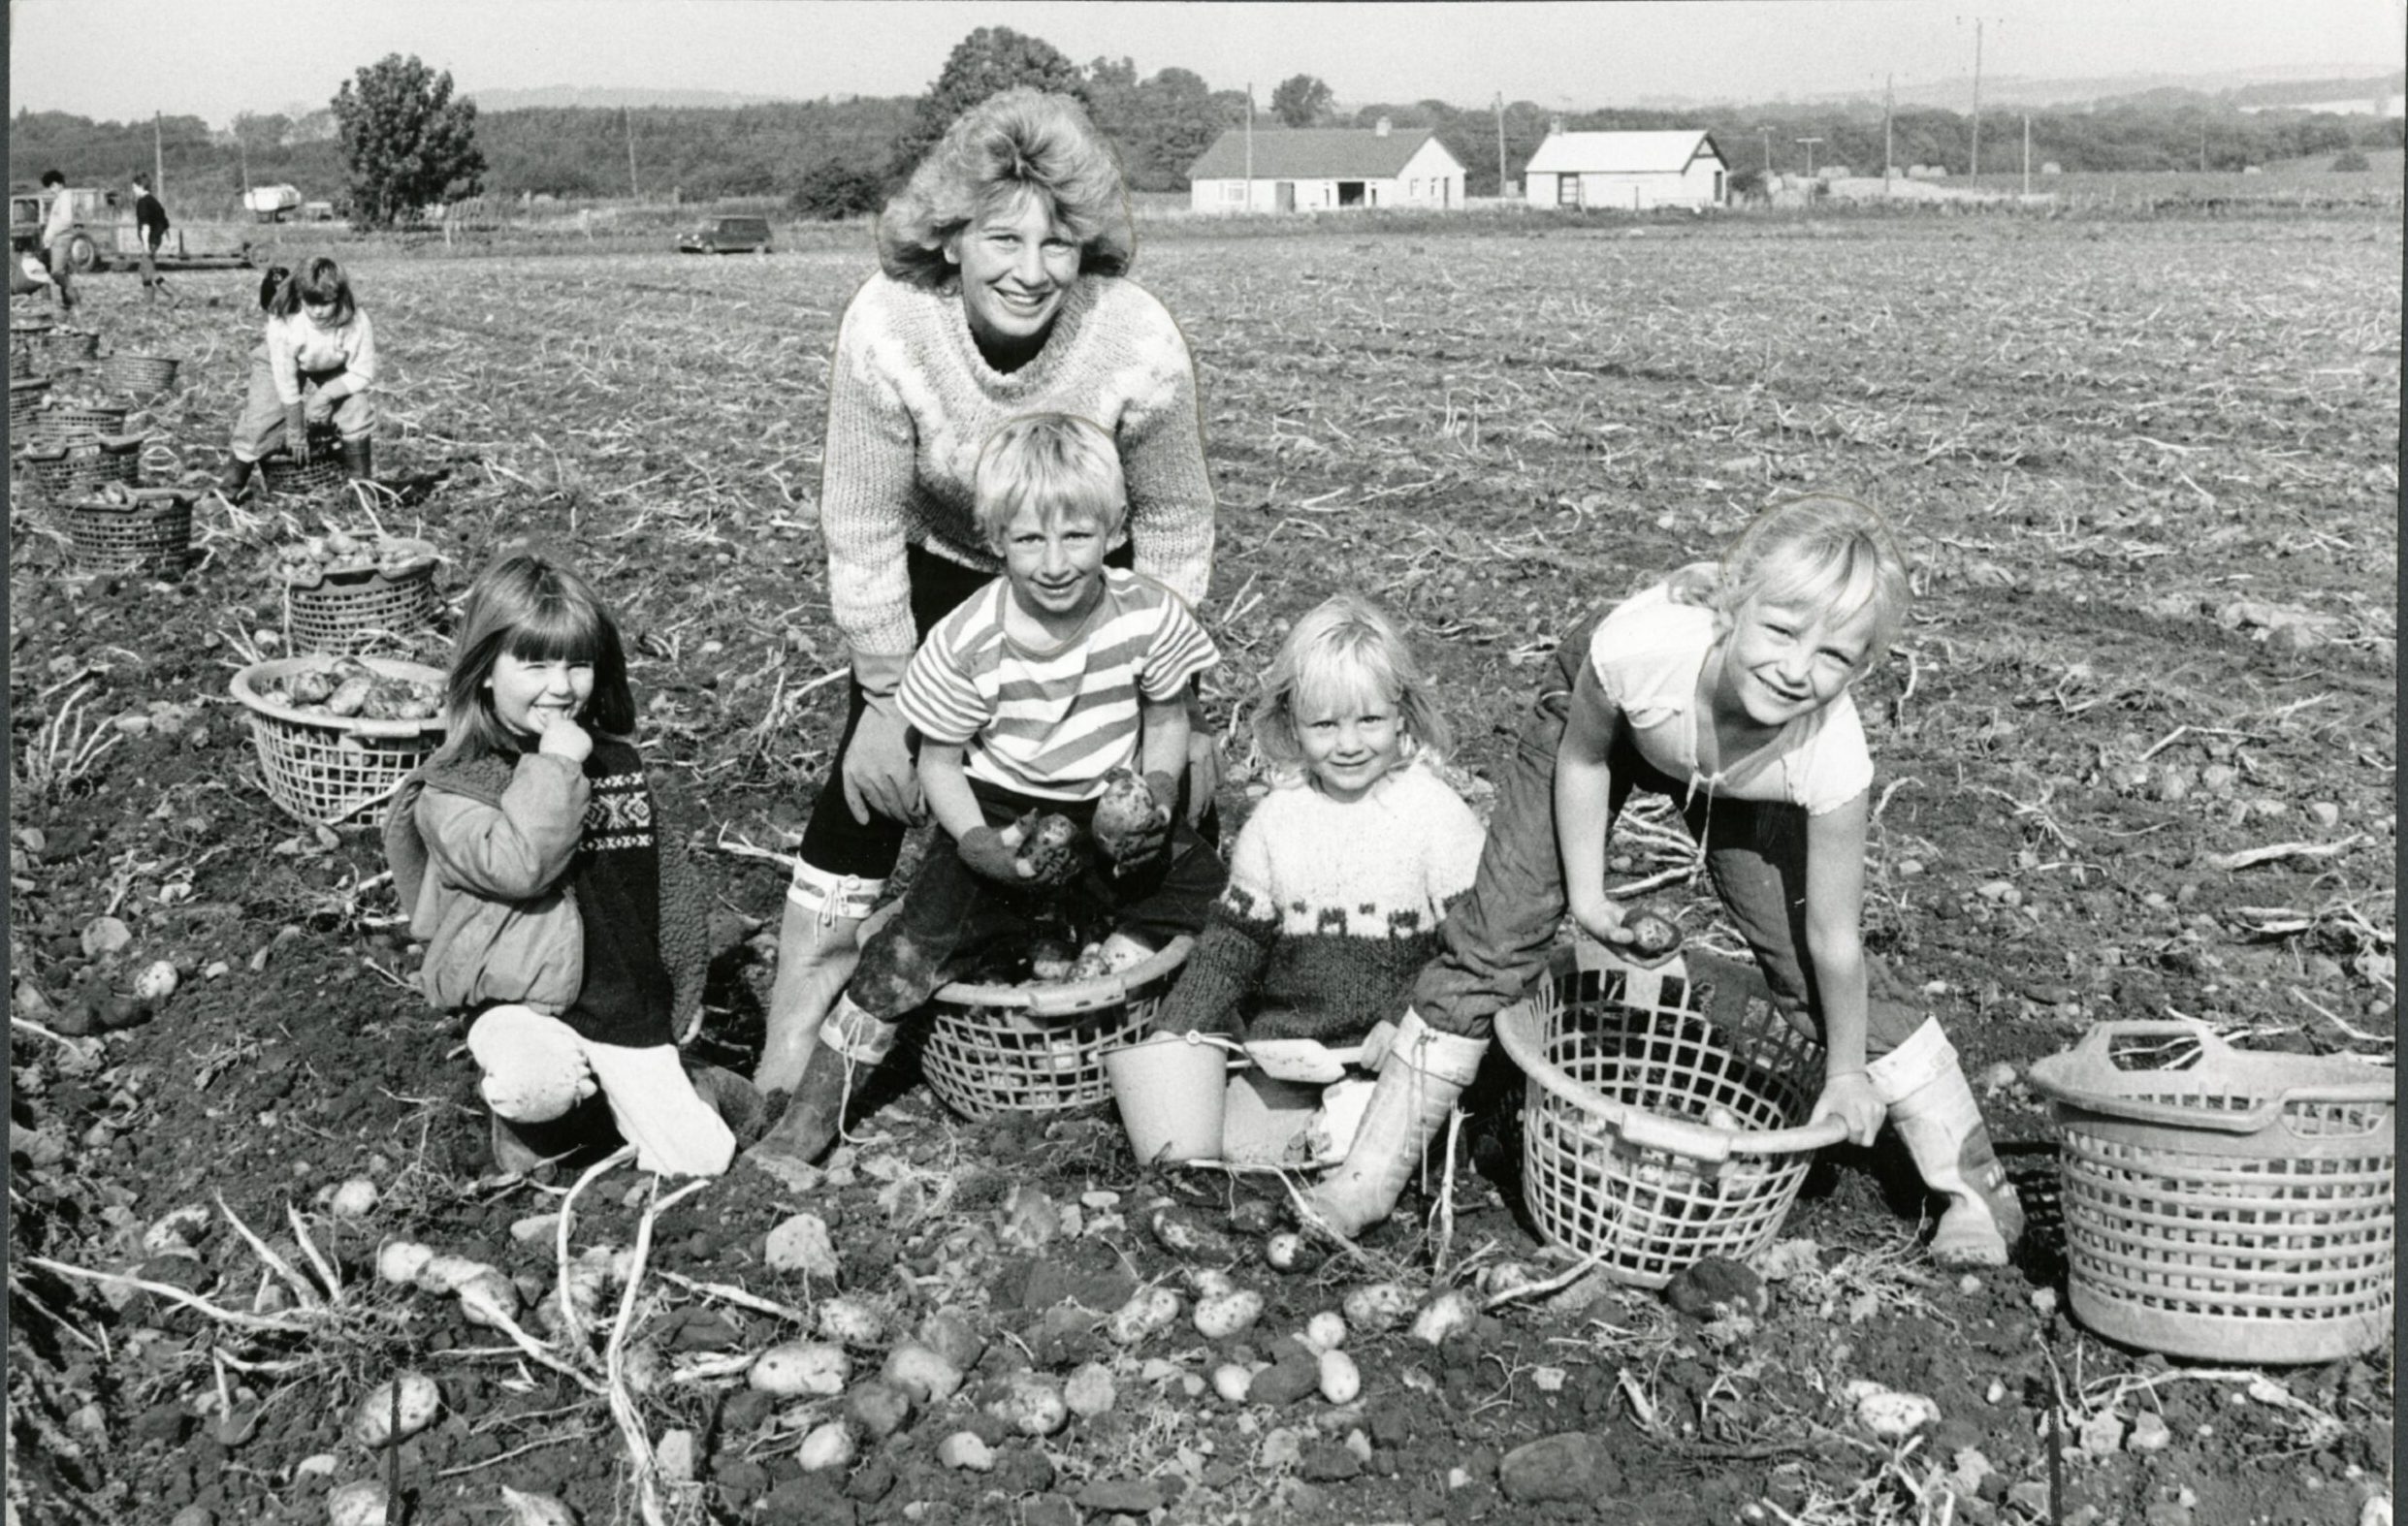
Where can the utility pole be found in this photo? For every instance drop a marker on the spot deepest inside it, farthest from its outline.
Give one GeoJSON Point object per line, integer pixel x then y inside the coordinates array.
{"type": "Point", "coordinates": [1767, 134]}
{"type": "Point", "coordinates": [2027, 153]}
{"type": "Point", "coordinates": [1980, 22]}
{"type": "Point", "coordinates": [1249, 146]}
{"type": "Point", "coordinates": [1890, 103]}
{"type": "Point", "coordinates": [1500, 142]}
{"type": "Point", "coordinates": [1809, 155]}
{"type": "Point", "coordinates": [158, 160]}
{"type": "Point", "coordinates": [626, 120]}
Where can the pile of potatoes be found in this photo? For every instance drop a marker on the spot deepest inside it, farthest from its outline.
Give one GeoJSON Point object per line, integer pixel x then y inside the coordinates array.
{"type": "Point", "coordinates": [308, 563]}
{"type": "Point", "coordinates": [347, 687]}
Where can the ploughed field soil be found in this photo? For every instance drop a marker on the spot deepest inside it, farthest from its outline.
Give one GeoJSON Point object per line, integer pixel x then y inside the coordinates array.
{"type": "Point", "coordinates": [2136, 754]}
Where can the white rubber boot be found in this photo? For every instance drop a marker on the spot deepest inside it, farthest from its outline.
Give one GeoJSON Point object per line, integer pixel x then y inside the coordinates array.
{"type": "Point", "coordinates": [850, 1045]}
{"type": "Point", "coordinates": [1923, 1085]}
{"type": "Point", "coordinates": [1420, 1078]}
{"type": "Point", "coordinates": [818, 944]}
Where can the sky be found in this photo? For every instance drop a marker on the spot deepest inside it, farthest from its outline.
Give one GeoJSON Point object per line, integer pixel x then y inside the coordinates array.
{"type": "Point", "coordinates": [122, 59]}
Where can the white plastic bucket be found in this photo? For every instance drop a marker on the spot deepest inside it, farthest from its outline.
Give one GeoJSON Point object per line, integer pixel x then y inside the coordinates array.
{"type": "Point", "coordinates": [1170, 1088]}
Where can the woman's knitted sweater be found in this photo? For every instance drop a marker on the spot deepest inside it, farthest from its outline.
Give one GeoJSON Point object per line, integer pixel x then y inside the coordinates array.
{"type": "Point", "coordinates": [911, 402]}
{"type": "Point", "coordinates": [1332, 907]}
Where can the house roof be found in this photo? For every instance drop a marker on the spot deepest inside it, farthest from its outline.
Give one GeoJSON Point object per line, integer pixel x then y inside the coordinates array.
{"type": "Point", "coordinates": [1312, 153]}
{"type": "Point", "coordinates": [1621, 153]}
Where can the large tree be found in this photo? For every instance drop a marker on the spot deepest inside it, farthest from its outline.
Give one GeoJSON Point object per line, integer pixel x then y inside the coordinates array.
{"type": "Point", "coordinates": [1301, 100]}
{"type": "Point", "coordinates": [407, 141]}
{"type": "Point", "coordinates": [987, 62]}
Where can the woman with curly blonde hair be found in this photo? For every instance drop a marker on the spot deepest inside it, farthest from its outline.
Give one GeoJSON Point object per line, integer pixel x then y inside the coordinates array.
{"type": "Point", "coordinates": [1001, 291]}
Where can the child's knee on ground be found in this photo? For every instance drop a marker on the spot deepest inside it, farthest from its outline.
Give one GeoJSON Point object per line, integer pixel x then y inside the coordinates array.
{"type": "Point", "coordinates": [533, 1069]}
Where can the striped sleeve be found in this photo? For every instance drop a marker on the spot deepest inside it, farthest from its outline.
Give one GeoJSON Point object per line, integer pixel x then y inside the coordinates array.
{"type": "Point", "coordinates": [1180, 651]}
{"type": "Point", "coordinates": [941, 696]}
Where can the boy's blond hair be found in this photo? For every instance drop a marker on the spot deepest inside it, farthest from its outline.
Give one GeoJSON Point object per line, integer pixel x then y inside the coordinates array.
{"type": "Point", "coordinates": [1351, 645]}
{"type": "Point", "coordinates": [1058, 464]}
{"type": "Point", "coordinates": [1827, 553]}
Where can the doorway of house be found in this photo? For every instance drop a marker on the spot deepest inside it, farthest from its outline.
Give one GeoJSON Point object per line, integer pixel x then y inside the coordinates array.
{"type": "Point", "coordinates": [1350, 193]}
{"type": "Point", "coordinates": [1283, 195]}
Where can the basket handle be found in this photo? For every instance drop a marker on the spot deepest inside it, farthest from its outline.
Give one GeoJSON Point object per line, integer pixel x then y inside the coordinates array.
{"type": "Point", "coordinates": [2092, 1062]}
{"type": "Point", "coordinates": [2097, 1048]}
{"type": "Point", "coordinates": [1679, 1137]}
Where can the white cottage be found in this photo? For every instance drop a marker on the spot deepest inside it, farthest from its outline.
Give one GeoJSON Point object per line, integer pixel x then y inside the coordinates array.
{"type": "Point", "coordinates": [1632, 172]}
{"type": "Point", "coordinates": [1312, 169]}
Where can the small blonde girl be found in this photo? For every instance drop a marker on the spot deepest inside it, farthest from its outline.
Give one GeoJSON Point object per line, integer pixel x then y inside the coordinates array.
{"type": "Point", "coordinates": [561, 921]}
{"type": "Point", "coordinates": [316, 362]}
{"type": "Point", "coordinates": [1342, 874]}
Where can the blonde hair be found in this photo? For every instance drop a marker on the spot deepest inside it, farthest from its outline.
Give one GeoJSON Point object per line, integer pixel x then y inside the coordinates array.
{"type": "Point", "coordinates": [1056, 464]}
{"type": "Point", "coordinates": [1351, 645]}
{"type": "Point", "coordinates": [1020, 142]}
{"type": "Point", "coordinates": [1825, 553]}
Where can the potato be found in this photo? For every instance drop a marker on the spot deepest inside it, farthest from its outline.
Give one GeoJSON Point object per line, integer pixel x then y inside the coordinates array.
{"type": "Point", "coordinates": [1179, 1229]}
{"type": "Point", "coordinates": [1325, 1331]}
{"type": "Point", "coordinates": [852, 1322]}
{"type": "Point", "coordinates": [878, 1409]}
{"type": "Point", "coordinates": [1031, 1404]}
{"type": "Point", "coordinates": [359, 1503]}
{"type": "Point", "coordinates": [829, 1445]}
{"type": "Point", "coordinates": [1149, 1311]}
{"type": "Point", "coordinates": [1125, 813]}
{"type": "Point", "coordinates": [1451, 1311]}
{"type": "Point", "coordinates": [1376, 1306]}
{"type": "Point", "coordinates": [371, 1424]}
{"type": "Point", "coordinates": [157, 981]}
{"type": "Point", "coordinates": [1210, 1282]}
{"type": "Point", "coordinates": [355, 1198]}
{"type": "Point", "coordinates": [1233, 1381]}
{"type": "Point", "coordinates": [801, 1367]}
{"type": "Point", "coordinates": [537, 1509]}
{"type": "Point", "coordinates": [1090, 1391]}
{"type": "Point", "coordinates": [350, 696]}
{"type": "Point", "coordinates": [310, 686]}
{"type": "Point", "coordinates": [922, 1372]}
{"type": "Point", "coordinates": [1651, 935]}
{"type": "Point", "coordinates": [1290, 1251]}
{"type": "Point", "coordinates": [1225, 1315]}
{"type": "Point", "coordinates": [1341, 1381]}
{"type": "Point", "coordinates": [400, 1262]}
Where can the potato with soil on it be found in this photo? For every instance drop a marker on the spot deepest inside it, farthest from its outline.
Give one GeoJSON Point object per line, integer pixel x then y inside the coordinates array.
{"type": "Point", "coordinates": [1652, 936]}
{"type": "Point", "coordinates": [1045, 845]}
{"type": "Point", "coordinates": [1127, 815]}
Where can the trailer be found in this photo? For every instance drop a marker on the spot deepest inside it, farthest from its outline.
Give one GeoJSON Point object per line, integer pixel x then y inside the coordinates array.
{"type": "Point", "coordinates": [105, 235]}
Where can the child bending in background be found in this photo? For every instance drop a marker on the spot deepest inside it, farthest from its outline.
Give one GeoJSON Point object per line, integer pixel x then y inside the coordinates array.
{"type": "Point", "coordinates": [560, 919]}
{"type": "Point", "coordinates": [1337, 884]}
{"type": "Point", "coordinates": [316, 361]}
{"type": "Point", "coordinates": [1055, 676]}
{"type": "Point", "coordinates": [1733, 703]}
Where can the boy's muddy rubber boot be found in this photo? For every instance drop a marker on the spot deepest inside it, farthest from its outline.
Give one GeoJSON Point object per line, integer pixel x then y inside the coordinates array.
{"type": "Point", "coordinates": [1420, 1078]}
{"type": "Point", "coordinates": [359, 459]}
{"type": "Point", "coordinates": [1923, 1085]}
{"type": "Point", "coordinates": [738, 1104]}
{"type": "Point", "coordinates": [851, 1043]}
{"type": "Point", "coordinates": [818, 944]}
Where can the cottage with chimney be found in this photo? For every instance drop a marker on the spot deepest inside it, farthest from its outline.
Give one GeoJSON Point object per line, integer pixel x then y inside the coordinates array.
{"type": "Point", "coordinates": [1316, 169]}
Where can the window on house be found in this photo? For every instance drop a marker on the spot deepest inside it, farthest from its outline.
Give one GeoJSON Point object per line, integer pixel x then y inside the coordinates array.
{"type": "Point", "coordinates": [1567, 190]}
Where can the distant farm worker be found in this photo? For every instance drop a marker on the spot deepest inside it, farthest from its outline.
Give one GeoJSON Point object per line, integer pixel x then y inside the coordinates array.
{"type": "Point", "coordinates": [316, 361]}
{"type": "Point", "coordinates": [1001, 292]}
{"type": "Point", "coordinates": [58, 239]}
{"type": "Point", "coordinates": [149, 233]}
{"type": "Point", "coordinates": [562, 919]}
{"type": "Point", "coordinates": [1728, 694]}
{"type": "Point", "coordinates": [1028, 697]}
{"type": "Point", "coordinates": [1336, 888]}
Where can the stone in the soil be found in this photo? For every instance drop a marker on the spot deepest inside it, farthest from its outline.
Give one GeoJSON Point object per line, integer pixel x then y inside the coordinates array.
{"type": "Point", "coordinates": [1572, 1466]}
{"type": "Point", "coordinates": [1048, 1510]}
{"type": "Point", "coordinates": [2149, 1433]}
{"type": "Point", "coordinates": [802, 1244]}
{"type": "Point", "coordinates": [1285, 1382]}
{"type": "Point", "coordinates": [879, 1408]}
{"type": "Point", "coordinates": [1089, 1391]}
{"type": "Point", "coordinates": [963, 1449]}
{"type": "Point", "coordinates": [1714, 1289]}
{"type": "Point", "coordinates": [812, 1500]}
{"type": "Point", "coordinates": [871, 1482]}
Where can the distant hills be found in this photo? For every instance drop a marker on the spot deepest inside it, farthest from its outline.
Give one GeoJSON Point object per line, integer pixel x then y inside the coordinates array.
{"type": "Point", "coordinates": [2272, 87]}
{"type": "Point", "coordinates": [611, 98]}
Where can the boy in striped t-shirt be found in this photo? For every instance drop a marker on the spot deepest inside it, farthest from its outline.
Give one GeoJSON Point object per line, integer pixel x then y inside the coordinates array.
{"type": "Point", "coordinates": [1024, 699]}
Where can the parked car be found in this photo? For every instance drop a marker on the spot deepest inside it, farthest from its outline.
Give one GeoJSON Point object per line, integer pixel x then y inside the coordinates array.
{"type": "Point", "coordinates": [727, 236]}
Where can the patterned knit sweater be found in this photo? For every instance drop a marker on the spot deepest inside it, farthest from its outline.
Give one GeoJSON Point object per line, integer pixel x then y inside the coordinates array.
{"type": "Point", "coordinates": [1332, 909]}
{"type": "Point", "coordinates": [911, 402]}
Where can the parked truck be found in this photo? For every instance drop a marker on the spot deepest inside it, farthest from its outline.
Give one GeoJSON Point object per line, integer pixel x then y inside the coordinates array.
{"type": "Point", "coordinates": [103, 234]}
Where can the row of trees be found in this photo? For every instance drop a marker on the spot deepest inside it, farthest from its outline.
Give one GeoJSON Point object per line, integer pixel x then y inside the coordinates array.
{"type": "Point", "coordinates": [400, 141]}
